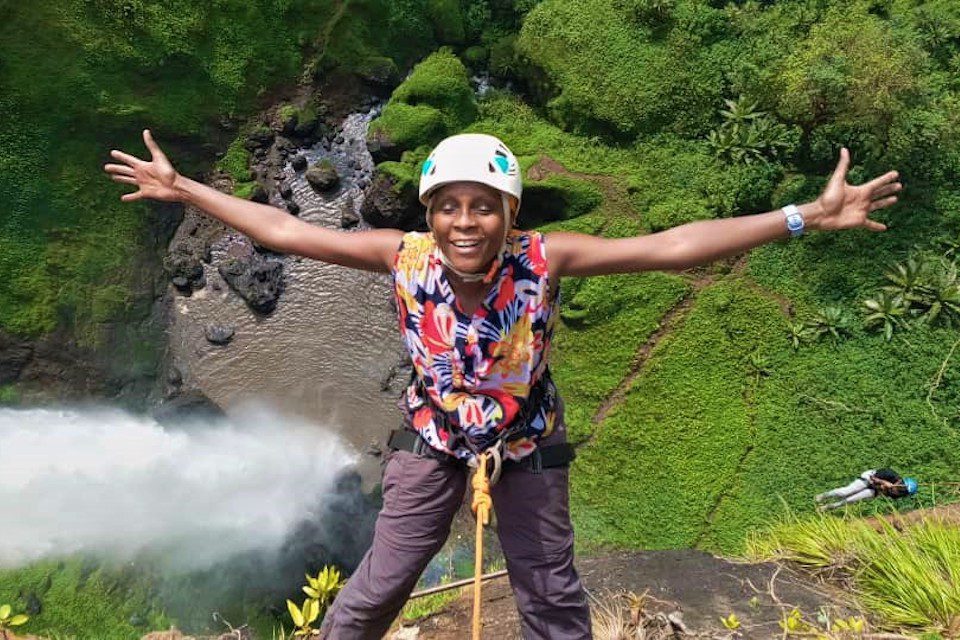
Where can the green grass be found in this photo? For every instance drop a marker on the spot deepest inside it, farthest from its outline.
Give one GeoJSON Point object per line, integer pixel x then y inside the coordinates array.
{"type": "Point", "coordinates": [905, 579]}
{"type": "Point", "coordinates": [604, 322]}
{"type": "Point", "coordinates": [662, 459]}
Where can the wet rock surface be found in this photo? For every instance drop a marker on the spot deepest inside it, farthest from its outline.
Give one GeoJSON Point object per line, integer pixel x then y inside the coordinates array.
{"type": "Point", "coordinates": [257, 280]}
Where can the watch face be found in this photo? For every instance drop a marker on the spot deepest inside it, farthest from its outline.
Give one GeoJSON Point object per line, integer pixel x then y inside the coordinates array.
{"type": "Point", "coordinates": [794, 222]}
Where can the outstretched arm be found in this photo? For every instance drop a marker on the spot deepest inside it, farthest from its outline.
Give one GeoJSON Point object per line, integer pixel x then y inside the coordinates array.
{"type": "Point", "coordinates": [269, 226]}
{"type": "Point", "coordinates": [840, 206]}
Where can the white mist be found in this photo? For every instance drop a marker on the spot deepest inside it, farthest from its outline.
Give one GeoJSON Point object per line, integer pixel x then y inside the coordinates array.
{"type": "Point", "coordinates": [105, 481]}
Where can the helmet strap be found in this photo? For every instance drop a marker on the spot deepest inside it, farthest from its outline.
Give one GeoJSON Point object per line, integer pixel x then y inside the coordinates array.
{"type": "Point", "coordinates": [491, 273]}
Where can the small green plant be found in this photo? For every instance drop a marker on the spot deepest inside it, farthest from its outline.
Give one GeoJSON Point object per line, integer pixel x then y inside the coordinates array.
{"type": "Point", "coordinates": [887, 311]}
{"type": "Point", "coordinates": [748, 135]}
{"type": "Point", "coordinates": [918, 289]}
{"type": "Point", "coordinates": [731, 622]}
{"type": "Point", "coordinates": [831, 321]}
{"type": "Point", "coordinates": [8, 620]}
{"type": "Point", "coordinates": [320, 590]}
{"type": "Point", "coordinates": [758, 367]}
{"type": "Point", "coordinates": [794, 623]}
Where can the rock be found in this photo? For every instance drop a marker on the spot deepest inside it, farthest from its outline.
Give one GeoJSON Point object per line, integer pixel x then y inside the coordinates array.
{"type": "Point", "coordinates": [259, 195]}
{"type": "Point", "coordinates": [185, 270]}
{"type": "Point", "coordinates": [175, 376]}
{"type": "Point", "coordinates": [293, 208]}
{"type": "Point", "coordinates": [323, 176]}
{"type": "Point", "coordinates": [383, 207]}
{"type": "Point", "coordinates": [289, 126]}
{"type": "Point", "coordinates": [33, 606]}
{"type": "Point", "coordinates": [286, 191]}
{"type": "Point", "coordinates": [374, 449]}
{"type": "Point", "coordinates": [15, 354]}
{"type": "Point", "coordinates": [219, 334]}
{"type": "Point", "coordinates": [182, 284]}
{"type": "Point", "coordinates": [305, 129]}
{"type": "Point", "coordinates": [255, 279]}
{"type": "Point", "coordinates": [338, 140]}
{"type": "Point", "coordinates": [258, 138]}
{"type": "Point", "coordinates": [299, 162]}
{"type": "Point", "coordinates": [348, 215]}
{"type": "Point", "coordinates": [187, 407]}
{"type": "Point", "coordinates": [382, 148]}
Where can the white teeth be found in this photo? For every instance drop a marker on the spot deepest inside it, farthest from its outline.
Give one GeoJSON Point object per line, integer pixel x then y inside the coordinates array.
{"type": "Point", "coordinates": [465, 243]}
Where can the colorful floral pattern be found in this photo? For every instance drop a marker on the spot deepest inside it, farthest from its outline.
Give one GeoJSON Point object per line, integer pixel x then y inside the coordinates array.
{"type": "Point", "coordinates": [474, 373]}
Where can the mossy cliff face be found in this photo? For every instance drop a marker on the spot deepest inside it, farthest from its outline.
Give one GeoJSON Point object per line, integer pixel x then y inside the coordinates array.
{"type": "Point", "coordinates": [79, 268]}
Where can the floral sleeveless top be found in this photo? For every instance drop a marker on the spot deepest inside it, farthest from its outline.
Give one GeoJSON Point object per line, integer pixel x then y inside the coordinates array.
{"type": "Point", "coordinates": [473, 374]}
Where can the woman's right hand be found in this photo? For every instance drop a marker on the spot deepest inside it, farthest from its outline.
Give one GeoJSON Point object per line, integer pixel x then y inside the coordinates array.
{"type": "Point", "coordinates": [155, 179]}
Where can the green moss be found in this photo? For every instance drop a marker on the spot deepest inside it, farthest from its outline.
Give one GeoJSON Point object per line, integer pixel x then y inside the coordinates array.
{"type": "Point", "coordinates": [244, 189]}
{"type": "Point", "coordinates": [410, 126]}
{"type": "Point", "coordinates": [476, 56]}
{"type": "Point", "coordinates": [9, 395]}
{"type": "Point", "coordinates": [434, 102]}
{"type": "Point", "coordinates": [557, 197]}
{"type": "Point", "coordinates": [84, 601]}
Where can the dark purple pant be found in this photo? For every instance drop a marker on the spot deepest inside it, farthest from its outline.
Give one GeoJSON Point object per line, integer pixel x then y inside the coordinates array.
{"type": "Point", "coordinates": [421, 495]}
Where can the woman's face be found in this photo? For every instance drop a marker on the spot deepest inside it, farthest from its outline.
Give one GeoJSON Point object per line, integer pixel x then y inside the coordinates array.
{"type": "Point", "coordinates": [468, 222]}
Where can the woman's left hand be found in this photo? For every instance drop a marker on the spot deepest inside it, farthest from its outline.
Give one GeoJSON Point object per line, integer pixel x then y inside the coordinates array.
{"type": "Point", "coordinates": [845, 206]}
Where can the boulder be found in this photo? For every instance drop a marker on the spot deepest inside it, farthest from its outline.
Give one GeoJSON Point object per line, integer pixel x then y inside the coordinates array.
{"type": "Point", "coordinates": [299, 163]}
{"type": "Point", "coordinates": [348, 215]}
{"type": "Point", "coordinates": [219, 334]}
{"type": "Point", "coordinates": [257, 280]}
{"type": "Point", "coordinates": [192, 406]}
{"type": "Point", "coordinates": [323, 176]}
{"type": "Point", "coordinates": [384, 207]}
{"type": "Point", "coordinates": [185, 270]}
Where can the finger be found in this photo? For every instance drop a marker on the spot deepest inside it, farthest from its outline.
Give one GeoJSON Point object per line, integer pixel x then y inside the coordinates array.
{"type": "Point", "coordinates": [154, 148]}
{"type": "Point", "coordinates": [839, 176]}
{"type": "Point", "coordinates": [130, 197]}
{"type": "Point", "coordinates": [124, 179]}
{"type": "Point", "coordinates": [133, 161]}
{"type": "Point", "coordinates": [888, 177]}
{"type": "Point", "coordinates": [880, 204]}
{"type": "Point", "coordinates": [886, 190]}
{"type": "Point", "coordinates": [119, 168]}
{"type": "Point", "coordinates": [873, 225]}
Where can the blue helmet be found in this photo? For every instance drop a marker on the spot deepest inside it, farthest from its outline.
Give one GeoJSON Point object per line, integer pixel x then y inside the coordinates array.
{"type": "Point", "coordinates": [911, 485]}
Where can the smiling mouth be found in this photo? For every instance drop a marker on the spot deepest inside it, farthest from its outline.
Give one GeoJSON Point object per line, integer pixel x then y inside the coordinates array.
{"type": "Point", "coordinates": [465, 244]}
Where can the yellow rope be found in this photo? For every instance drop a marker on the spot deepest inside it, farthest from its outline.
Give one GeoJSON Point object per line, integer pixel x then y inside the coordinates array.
{"type": "Point", "coordinates": [481, 507]}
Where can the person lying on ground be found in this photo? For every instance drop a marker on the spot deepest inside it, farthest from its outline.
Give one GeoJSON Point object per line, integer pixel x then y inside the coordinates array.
{"type": "Point", "coordinates": [870, 484]}
{"type": "Point", "coordinates": [477, 303]}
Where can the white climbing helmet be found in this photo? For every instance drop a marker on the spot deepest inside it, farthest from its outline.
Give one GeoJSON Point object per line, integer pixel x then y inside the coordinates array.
{"type": "Point", "coordinates": [472, 157]}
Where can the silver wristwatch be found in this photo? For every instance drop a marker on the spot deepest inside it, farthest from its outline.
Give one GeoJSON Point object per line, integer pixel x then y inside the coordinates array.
{"type": "Point", "coordinates": [794, 219]}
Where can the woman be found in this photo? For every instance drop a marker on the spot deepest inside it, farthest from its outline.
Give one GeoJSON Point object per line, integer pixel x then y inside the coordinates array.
{"type": "Point", "coordinates": [870, 484]}
{"type": "Point", "coordinates": [477, 302]}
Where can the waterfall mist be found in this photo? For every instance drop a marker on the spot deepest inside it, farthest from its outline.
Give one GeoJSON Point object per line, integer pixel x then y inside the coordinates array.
{"type": "Point", "coordinates": [99, 480]}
